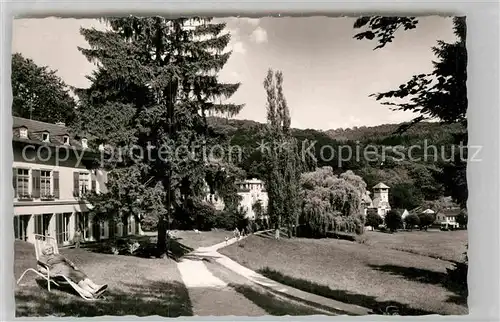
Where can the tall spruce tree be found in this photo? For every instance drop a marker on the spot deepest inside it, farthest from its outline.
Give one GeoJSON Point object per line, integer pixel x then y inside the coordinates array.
{"type": "Point", "coordinates": [283, 161]}
{"type": "Point", "coordinates": [155, 82]}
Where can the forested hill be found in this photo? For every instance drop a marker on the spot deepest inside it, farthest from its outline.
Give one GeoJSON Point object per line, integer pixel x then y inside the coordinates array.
{"type": "Point", "coordinates": [379, 134]}
{"type": "Point", "coordinates": [411, 180]}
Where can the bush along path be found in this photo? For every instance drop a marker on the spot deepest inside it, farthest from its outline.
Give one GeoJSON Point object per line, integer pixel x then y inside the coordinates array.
{"type": "Point", "coordinates": [219, 294]}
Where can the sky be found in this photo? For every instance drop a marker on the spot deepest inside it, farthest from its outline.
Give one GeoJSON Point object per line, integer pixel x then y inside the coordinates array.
{"type": "Point", "coordinates": [328, 75]}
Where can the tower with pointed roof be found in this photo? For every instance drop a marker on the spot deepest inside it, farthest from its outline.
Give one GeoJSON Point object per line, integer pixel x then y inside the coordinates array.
{"type": "Point", "coordinates": [381, 199]}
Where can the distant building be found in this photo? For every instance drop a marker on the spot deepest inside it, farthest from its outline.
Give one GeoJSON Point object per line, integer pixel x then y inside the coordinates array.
{"type": "Point", "coordinates": [49, 177]}
{"type": "Point", "coordinates": [380, 202]}
{"type": "Point", "coordinates": [251, 191]}
{"type": "Point", "coordinates": [214, 199]}
{"type": "Point", "coordinates": [447, 218]}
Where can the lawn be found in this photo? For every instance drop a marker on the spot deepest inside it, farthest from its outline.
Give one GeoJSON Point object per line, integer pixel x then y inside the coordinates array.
{"type": "Point", "coordinates": [262, 301]}
{"type": "Point", "coordinates": [195, 240]}
{"type": "Point", "coordinates": [365, 275]}
{"type": "Point", "coordinates": [137, 286]}
{"type": "Point", "coordinates": [447, 245]}
{"type": "Point", "coordinates": [192, 240]}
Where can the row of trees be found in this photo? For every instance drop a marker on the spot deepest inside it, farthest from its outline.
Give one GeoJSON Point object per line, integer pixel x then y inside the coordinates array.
{"type": "Point", "coordinates": [394, 221]}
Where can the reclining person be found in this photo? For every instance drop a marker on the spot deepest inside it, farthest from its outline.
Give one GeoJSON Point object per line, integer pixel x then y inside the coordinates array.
{"type": "Point", "coordinates": [59, 264]}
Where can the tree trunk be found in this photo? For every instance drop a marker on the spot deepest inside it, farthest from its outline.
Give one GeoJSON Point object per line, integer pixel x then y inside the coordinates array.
{"type": "Point", "coordinates": [161, 244]}
{"type": "Point", "coordinates": [277, 228]}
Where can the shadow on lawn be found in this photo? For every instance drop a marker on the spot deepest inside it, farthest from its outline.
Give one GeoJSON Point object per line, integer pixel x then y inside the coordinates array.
{"type": "Point", "coordinates": [167, 299]}
{"type": "Point", "coordinates": [271, 304]}
{"type": "Point", "coordinates": [370, 302]}
{"type": "Point", "coordinates": [430, 277]}
{"type": "Point", "coordinates": [147, 247]}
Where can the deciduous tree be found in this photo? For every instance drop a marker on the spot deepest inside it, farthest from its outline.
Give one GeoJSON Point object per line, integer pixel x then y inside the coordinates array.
{"type": "Point", "coordinates": [462, 218]}
{"type": "Point", "coordinates": [440, 94]}
{"type": "Point", "coordinates": [426, 219]}
{"type": "Point", "coordinates": [373, 219]}
{"type": "Point", "coordinates": [393, 220]}
{"type": "Point", "coordinates": [411, 221]}
{"type": "Point", "coordinates": [38, 93]}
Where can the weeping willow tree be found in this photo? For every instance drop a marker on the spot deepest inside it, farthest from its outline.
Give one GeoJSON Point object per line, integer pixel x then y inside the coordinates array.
{"type": "Point", "coordinates": [331, 202]}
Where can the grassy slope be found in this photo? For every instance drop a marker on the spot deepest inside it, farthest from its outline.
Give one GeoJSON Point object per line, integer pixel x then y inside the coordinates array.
{"type": "Point", "coordinates": [354, 273]}
{"type": "Point", "coordinates": [448, 245]}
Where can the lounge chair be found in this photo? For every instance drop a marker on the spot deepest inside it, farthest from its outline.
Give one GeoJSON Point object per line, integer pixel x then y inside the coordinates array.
{"type": "Point", "coordinates": [43, 269]}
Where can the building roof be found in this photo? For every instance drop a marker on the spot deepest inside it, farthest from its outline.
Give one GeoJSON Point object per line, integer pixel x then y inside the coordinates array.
{"type": "Point", "coordinates": [251, 181]}
{"type": "Point", "coordinates": [452, 212]}
{"type": "Point", "coordinates": [36, 129]}
{"type": "Point", "coordinates": [428, 211]}
{"type": "Point", "coordinates": [381, 185]}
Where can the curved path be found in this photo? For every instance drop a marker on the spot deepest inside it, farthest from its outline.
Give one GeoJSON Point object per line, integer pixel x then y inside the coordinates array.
{"type": "Point", "coordinates": [205, 288]}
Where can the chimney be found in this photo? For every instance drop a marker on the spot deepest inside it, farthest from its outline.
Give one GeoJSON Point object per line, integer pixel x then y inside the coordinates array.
{"type": "Point", "coordinates": [61, 123]}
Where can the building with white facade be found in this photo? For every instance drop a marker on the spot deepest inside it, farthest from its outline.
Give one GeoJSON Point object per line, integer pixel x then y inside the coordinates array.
{"type": "Point", "coordinates": [50, 174]}
{"type": "Point", "coordinates": [251, 191]}
{"type": "Point", "coordinates": [447, 217]}
{"type": "Point", "coordinates": [380, 203]}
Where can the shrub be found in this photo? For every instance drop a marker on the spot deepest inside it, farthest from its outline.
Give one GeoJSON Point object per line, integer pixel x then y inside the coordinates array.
{"type": "Point", "coordinates": [373, 219]}
{"type": "Point", "coordinates": [393, 220]}
{"type": "Point", "coordinates": [426, 220]}
{"type": "Point", "coordinates": [411, 220]}
{"type": "Point", "coordinates": [462, 218]}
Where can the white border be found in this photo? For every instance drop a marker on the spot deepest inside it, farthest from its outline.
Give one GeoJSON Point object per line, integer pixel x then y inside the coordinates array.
{"type": "Point", "coordinates": [483, 94]}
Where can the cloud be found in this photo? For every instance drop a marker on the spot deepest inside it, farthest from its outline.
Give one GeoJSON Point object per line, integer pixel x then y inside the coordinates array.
{"type": "Point", "coordinates": [238, 47]}
{"type": "Point", "coordinates": [259, 35]}
{"type": "Point", "coordinates": [235, 44]}
{"type": "Point", "coordinates": [234, 32]}
{"type": "Point", "coordinates": [251, 21]}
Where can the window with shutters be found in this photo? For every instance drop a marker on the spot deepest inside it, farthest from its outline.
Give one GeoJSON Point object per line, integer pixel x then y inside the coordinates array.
{"type": "Point", "coordinates": [83, 183]}
{"type": "Point", "coordinates": [45, 185]}
{"type": "Point", "coordinates": [22, 182]}
{"type": "Point", "coordinates": [55, 184]}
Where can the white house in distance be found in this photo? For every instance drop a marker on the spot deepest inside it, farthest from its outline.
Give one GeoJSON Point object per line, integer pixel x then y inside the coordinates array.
{"type": "Point", "coordinates": [250, 191]}
{"type": "Point", "coordinates": [49, 178]}
{"type": "Point", "coordinates": [380, 202]}
{"type": "Point", "coordinates": [446, 218]}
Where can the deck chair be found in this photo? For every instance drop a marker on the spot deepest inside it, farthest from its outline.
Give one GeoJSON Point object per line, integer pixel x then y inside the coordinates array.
{"type": "Point", "coordinates": [43, 270]}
